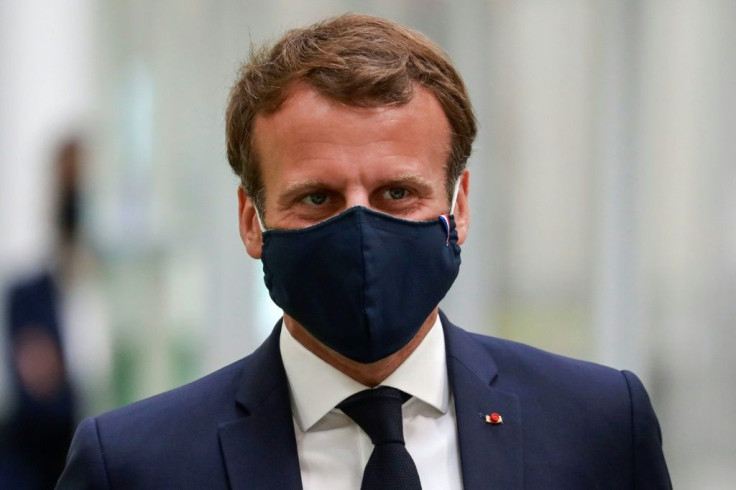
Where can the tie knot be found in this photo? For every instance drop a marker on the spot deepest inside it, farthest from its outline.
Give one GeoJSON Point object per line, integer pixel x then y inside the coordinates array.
{"type": "Point", "coordinates": [378, 413]}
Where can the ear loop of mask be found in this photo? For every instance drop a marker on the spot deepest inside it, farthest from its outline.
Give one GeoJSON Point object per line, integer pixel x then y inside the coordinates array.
{"type": "Point", "coordinates": [260, 220]}
{"type": "Point", "coordinates": [258, 216]}
{"type": "Point", "coordinates": [454, 195]}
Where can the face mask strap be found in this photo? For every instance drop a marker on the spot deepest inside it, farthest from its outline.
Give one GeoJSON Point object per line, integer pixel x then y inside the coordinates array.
{"type": "Point", "coordinates": [260, 220]}
{"type": "Point", "coordinates": [454, 195]}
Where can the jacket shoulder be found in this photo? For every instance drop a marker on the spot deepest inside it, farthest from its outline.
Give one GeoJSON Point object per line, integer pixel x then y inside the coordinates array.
{"type": "Point", "coordinates": [523, 364]}
{"type": "Point", "coordinates": [583, 420]}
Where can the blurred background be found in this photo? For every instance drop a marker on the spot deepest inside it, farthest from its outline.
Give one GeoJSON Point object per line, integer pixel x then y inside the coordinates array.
{"type": "Point", "coordinates": [603, 197]}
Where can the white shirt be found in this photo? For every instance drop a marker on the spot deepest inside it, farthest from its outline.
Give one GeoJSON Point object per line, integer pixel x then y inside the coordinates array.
{"type": "Point", "coordinates": [333, 450]}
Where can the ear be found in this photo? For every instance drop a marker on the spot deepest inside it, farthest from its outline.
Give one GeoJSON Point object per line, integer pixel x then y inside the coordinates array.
{"type": "Point", "coordinates": [250, 229]}
{"type": "Point", "coordinates": [462, 208]}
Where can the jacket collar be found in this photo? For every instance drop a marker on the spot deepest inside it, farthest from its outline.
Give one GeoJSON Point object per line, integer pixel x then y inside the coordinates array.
{"type": "Point", "coordinates": [260, 448]}
{"type": "Point", "coordinates": [491, 455]}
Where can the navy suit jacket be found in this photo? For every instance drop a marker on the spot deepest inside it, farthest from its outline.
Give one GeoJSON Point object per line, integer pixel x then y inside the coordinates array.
{"type": "Point", "coordinates": [567, 424]}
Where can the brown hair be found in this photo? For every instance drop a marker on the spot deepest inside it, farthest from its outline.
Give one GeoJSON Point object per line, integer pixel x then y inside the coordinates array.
{"type": "Point", "coordinates": [356, 59]}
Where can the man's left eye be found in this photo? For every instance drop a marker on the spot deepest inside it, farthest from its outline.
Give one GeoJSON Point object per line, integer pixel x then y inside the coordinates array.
{"type": "Point", "coordinates": [396, 193]}
{"type": "Point", "coordinates": [315, 198]}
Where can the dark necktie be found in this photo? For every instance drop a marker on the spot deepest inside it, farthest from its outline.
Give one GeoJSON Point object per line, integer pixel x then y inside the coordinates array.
{"type": "Point", "coordinates": [378, 413]}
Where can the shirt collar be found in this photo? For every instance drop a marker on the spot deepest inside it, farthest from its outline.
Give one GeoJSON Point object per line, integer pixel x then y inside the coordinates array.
{"type": "Point", "coordinates": [316, 387]}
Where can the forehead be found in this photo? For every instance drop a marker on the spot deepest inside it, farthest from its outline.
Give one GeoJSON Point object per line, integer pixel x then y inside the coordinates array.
{"type": "Point", "coordinates": [306, 116]}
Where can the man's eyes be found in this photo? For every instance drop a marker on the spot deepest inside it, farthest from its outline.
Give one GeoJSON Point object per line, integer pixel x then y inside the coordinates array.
{"type": "Point", "coordinates": [389, 194]}
{"type": "Point", "coordinates": [315, 198]}
{"type": "Point", "coordinates": [395, 193]}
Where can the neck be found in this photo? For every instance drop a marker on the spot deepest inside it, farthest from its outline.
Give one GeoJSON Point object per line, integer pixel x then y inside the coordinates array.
{"type": "Point", "coordinates": [370, 374]}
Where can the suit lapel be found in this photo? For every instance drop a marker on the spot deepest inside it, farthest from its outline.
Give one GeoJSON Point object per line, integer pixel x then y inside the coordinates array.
{"type": "Point", "coordinates": [491, 456]}
{"type": "Point", "coordinates": [260, 448]}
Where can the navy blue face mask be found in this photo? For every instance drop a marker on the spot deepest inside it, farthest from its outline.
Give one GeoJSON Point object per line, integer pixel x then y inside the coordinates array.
{"type": "Point", "coordinates": [362, 282]}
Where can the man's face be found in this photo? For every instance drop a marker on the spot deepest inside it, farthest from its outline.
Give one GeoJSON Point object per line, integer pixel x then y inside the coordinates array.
{"type": "Point", "coordinates": [319, 157]}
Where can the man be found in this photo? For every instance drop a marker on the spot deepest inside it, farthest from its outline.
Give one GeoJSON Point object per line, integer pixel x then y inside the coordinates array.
{"type": "Point", "coordinates": [351, 138]}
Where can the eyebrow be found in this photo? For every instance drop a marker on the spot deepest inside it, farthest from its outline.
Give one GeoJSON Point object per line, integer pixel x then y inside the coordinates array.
{"type": "Point", "coordinates": [408, 178]}
{"type": "Point", "coordinates": [301, 185]}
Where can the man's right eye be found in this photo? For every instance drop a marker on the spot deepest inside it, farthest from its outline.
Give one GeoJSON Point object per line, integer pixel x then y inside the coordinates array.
{"type": "Point", "coordinates": [316, 198]}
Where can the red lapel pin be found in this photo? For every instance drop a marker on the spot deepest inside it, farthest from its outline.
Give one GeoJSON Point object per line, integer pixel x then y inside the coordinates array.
{"type": "Point", "coordinates": [494, 419]}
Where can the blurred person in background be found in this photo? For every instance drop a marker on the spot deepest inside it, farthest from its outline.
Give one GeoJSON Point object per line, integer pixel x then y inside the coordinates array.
{"type": "Point", "coordinates": [35, 438]}
{"type": "Point", "coordinates": [351, 138]}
